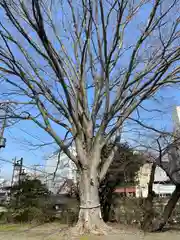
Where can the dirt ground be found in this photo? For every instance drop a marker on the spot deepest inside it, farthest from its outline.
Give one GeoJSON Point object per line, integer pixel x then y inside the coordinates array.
{"type": "Point", "coordinates": [53, 232]}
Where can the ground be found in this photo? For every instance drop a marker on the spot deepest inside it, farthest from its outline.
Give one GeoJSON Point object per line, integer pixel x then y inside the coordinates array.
{"type": "Point", "coordinates": [53, 232]}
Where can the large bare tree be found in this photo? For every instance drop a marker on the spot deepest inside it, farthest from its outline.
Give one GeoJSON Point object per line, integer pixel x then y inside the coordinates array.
{"type": "Point", "coordinates": [85, 67]}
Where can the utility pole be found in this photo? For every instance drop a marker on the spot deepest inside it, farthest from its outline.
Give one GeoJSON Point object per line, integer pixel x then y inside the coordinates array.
{"type": "Point", "coordinates": [17, 176]}
{"type": "Point", "coordinates": [20, 163]}
{"type": "Point", "coordinates": [17, 171]}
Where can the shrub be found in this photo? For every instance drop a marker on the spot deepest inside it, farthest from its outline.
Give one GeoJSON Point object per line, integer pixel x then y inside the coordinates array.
{"type": "Point", "coordinates": [127, 210]}
{"type": "Point", "coordinates": [30, 215]}
{"type": "Point", "coordinates": [30, 202]}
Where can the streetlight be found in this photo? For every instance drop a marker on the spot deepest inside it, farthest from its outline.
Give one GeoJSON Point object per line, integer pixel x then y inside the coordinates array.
{"type": "Point", "coordinates": [3, 115]}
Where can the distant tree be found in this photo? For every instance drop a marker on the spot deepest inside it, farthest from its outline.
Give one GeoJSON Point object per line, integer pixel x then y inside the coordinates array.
{"type": "Point", "coordinates": [29, 193]}
{"type": "Point", "coordinates": [121, 172]}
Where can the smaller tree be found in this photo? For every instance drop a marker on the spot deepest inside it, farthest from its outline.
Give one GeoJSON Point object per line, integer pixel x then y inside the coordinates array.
{"type": "Point", "coordinates": [30, 201]}
{"type": "Point", "coordinates": [29, 193]}
{"type": "Point", "coordinates": [121, 172]}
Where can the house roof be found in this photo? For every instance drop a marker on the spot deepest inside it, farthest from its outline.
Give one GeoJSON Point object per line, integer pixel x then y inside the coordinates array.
{"type": "Point", "coordinates": [125, 190]}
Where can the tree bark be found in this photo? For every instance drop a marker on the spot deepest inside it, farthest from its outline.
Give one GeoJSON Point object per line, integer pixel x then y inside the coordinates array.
{"type": "Point", "coordinates": [159, 225]}
{"type": "Point", "coordinates": [106, 211]}
{"type": "Point", "coordinates": [90, 217]}
{"type": "Point", "coordinates": [147, 207]}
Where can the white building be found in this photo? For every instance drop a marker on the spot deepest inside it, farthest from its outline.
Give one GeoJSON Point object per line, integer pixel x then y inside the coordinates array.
{"type": "Point", "coordinates": [58, 169]}
{"type": "Point", "coordinates": [161, 186]}
{"type": "Point", "coordinates": [176, 119]}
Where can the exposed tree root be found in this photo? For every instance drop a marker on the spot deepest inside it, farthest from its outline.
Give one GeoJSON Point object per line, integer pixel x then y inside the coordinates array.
{"type": "Point", "coordinates": [98, 228]}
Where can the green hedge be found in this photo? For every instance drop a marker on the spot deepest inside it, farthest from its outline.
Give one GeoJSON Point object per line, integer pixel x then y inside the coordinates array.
{"type": "Point", "coordinates": [129, 210]}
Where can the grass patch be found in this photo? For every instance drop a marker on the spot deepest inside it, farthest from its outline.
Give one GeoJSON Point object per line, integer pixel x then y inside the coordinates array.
{"type": "Point", "coordinates": [12, 227]}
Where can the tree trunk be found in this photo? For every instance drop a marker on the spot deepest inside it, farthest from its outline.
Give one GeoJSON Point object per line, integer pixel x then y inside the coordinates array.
{"type": "Point", "coordinates": [106, 211]}
{"type": "Point", "coordinates": [147, 206]}
{"type": "Point", "coordinates": [158, 226]}
{"type": "Point", "coordinates": [90, 218]}
{"type": "Point", "coordinates": [146, 224]}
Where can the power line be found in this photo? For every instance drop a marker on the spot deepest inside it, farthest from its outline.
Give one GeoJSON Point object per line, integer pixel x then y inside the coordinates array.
{"type": "Point", "coordinates": [30, 168]}
{"type": "Point", "coordinates": [27, 167]}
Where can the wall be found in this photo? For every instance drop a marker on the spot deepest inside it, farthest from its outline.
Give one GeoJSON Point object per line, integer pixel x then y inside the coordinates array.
{"type": "Point", "coordinates": [163, 189]}
{"type": "Point", "coordinates": [143, 177]}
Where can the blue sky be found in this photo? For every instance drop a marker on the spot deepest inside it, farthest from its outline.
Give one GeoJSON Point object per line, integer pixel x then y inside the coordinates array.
{"type": "Point", "coordinates": [18, 135]}
{"type": "Point", "coordinates": [17, 147]}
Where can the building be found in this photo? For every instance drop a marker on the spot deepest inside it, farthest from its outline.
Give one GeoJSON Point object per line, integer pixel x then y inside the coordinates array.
{"type": "Point", "coordinates": [161, 186]}
{"type": "Point", "coordinates": [4, 190]}
{"type": "Point", "coordinates": [58, 169]}
{"type": "Point", "coordinates": [2, 126]}
{"type": "Point", "coordinates": [176, 119]}
{"type": "Point", "coordinates": [143, 177]}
